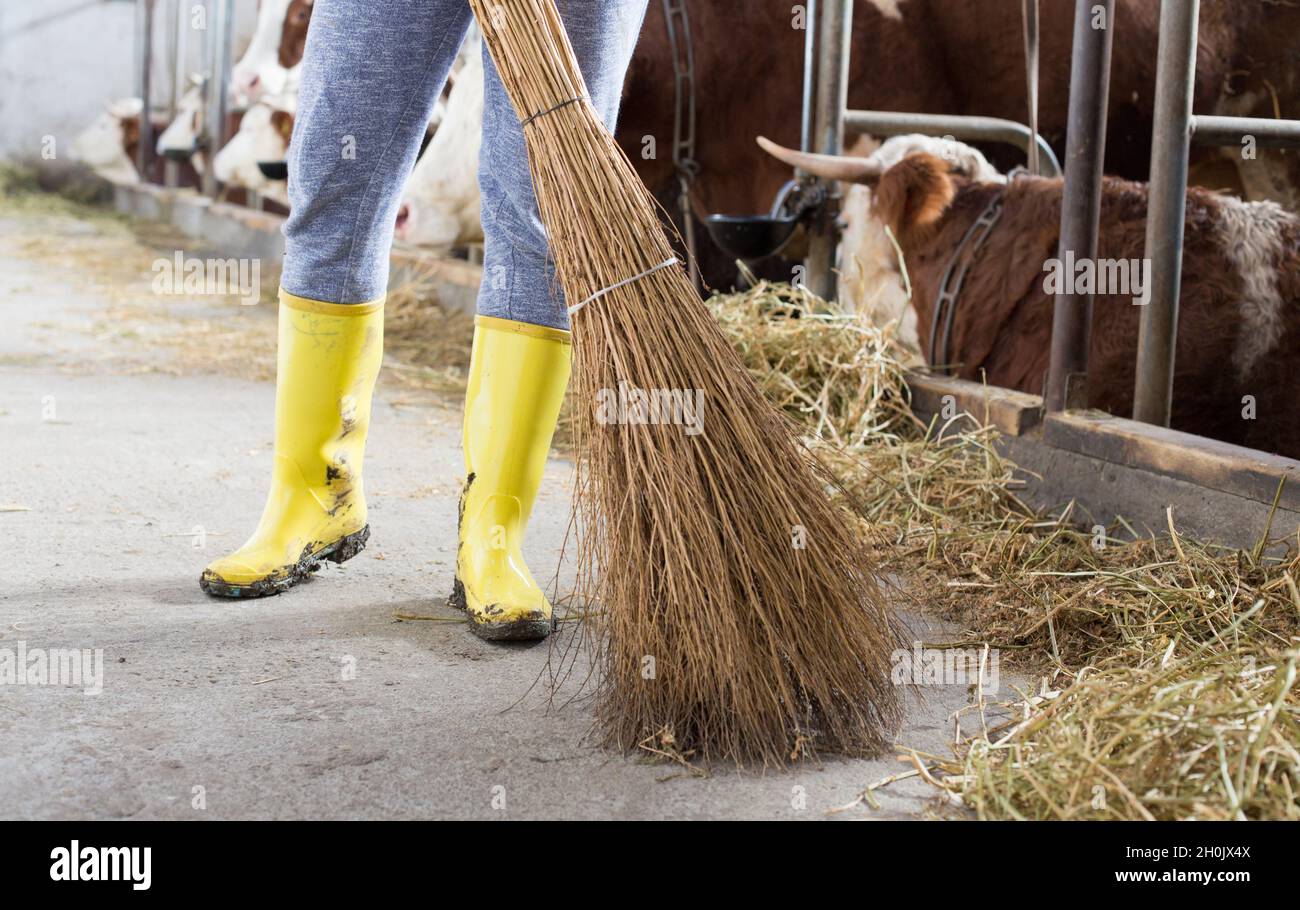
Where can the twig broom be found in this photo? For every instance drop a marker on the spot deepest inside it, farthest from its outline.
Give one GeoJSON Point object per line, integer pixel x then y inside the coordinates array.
{"type": "Point", "coordinates": [741, 620]}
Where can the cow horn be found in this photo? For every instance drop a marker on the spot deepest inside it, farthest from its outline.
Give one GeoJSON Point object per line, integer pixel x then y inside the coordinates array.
{"type": "Point", "coordinates": [848, 168]}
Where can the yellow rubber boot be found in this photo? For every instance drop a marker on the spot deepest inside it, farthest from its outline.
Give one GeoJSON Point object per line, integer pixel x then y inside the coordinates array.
{"type": "Point", "coordinates": [517, 376]}
{"type": "Point", "coordinates": [329, 356]}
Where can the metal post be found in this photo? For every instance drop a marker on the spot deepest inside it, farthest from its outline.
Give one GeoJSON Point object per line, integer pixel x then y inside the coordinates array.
{"type": "Point", "coordinates": [809, 75]}
{"type": "Point", "coordinates": [219, 39]}
{"type": "Point", "coordinates": [144, 67]}
{"type": "Point", "coordinates": [1158, 332]}
{"type": "Point", "coordinates": [1267, 132]}
{"type": "Point", "coordinates": [834, 33]}
{"type": "Point", "coordinates": [180, 74]}
{"type": "Point", "coordinates": [1067, 372]}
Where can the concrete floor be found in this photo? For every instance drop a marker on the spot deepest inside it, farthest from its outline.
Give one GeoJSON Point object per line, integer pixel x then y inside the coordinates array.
{"type": "Point", "coordinates": [249, 705]}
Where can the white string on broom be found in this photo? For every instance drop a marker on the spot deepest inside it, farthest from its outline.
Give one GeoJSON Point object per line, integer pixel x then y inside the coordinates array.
{"type": "Point", "coordinates": [626, 281]}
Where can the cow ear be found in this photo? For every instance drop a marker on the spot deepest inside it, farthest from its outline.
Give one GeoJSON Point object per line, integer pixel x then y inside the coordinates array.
{"type": "Point", "coordinates": [282, 122]}
{"type": "Point", "coordinates": [913, 193]}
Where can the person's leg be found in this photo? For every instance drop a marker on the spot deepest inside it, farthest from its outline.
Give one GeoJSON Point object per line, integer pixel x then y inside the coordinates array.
{"type": "Point", "coordinates": [520, 362]}
{"type": "Point", "coordinates": [518, 280]}
{"type": "Point", "coordinates": [372, 71]}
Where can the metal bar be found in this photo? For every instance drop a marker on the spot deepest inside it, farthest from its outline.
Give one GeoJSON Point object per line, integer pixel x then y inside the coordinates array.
{"type": "Point", "coordinates": [220, 22]}
{"type": "Point", "coordinates": [1158, 330]}
{"type": "Point", "coordinates": [177, 57]}
{"type": "Point", "coordinates": [144, 10]}
{"type": "Point", "coordinates": [1267, 133]}
{"type": "Point", "coordinates": [1085, 152]}
{"type": "Point", "coordinates": [180, 69]}
{"type": "Point", "coordinates": [834, 31]}
{"type": "Point", "coordinates": [809, 74]}
{"type": "Point", "coordinates": [203, 140]}
{"type": "Point", "coordinates": [1029, 13]}
{"type": "Point", "coordinates": [977, 129]}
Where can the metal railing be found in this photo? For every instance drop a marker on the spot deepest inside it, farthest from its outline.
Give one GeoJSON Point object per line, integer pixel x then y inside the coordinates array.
{"type": "Point", "coordinates": [215, 19]}
{"type": "Point", "coordinates": [1067, 369]}
{"type": "Point", "coordinates": [829, 25]}
{"type": "Point", "coordinates": [1176, 127]}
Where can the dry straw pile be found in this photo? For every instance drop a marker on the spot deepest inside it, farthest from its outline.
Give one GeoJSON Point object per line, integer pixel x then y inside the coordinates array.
{"type": "Point", "coordinates": [739, 616]}
{"type": "Point", "coordinates": [1163, 670]}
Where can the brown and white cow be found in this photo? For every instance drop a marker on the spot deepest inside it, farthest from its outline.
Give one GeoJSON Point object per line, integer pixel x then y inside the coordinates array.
{"type": "Point", "coordinates": [180, 140]}
{"type": "Point", "coordinates": [948, 57]}
{"type": "Point", "coordinates": [1239, 318]}
{"type": "Point", "coordinates": [109, 146]}
{"type": "Point", "coordinates": [262, 138]}
{"type": "Point", "coordinates": [274, 52]}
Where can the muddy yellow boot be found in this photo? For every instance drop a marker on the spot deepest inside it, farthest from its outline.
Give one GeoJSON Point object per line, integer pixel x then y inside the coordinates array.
{"type": "Point", "coordinates": [517, 376]}
{"type": "Point", "coordinates": [328, 359]}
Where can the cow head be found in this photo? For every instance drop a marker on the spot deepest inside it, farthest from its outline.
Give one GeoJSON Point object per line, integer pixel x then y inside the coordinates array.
{"type": "Point", "coordinates": [180, 140]}
{"type": "Point", "coordinates": [275, 49]}
{"type": "Point", "coordinates": [109, 144]}
{"type": "Point", "coordinates": [263, 136]}
{"type": "Point", "coordinates": [901, 188]}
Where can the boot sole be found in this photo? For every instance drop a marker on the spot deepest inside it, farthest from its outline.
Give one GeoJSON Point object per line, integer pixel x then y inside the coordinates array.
{"type": "Point", "coordinates": [516, 630]}
{"type": "Point", "coordinates": [340, 551]}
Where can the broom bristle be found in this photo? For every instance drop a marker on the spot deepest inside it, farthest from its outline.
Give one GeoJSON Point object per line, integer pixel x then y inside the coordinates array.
{"type": "Point", "coordinates": [740, 615]}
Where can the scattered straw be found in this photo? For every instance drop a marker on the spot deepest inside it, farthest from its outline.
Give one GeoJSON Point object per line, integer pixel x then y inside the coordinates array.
{"type": "Point", "coordinates": [1165, 668]}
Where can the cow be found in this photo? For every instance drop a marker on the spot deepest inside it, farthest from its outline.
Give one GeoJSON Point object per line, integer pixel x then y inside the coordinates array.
{"type": "Point", "coordinates": [440, 204]}
{"type": "Point", "coordinates": [109, 145]}
{"type": "Point", "coordinates": [180, 140]}
{"type": "Point", "coordinates": [1239, 311]}
{"type": "Point", "coordinates": [263, 138]}
{"type": "Point", "coordinates": [943, 57]}
{"type": "Point", "coordinates": [275, 51]}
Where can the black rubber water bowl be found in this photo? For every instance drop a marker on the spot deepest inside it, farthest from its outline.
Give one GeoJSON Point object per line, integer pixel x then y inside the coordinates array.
{"type": "Point", "coordinates": [751, 236]}
{"type": "Point", "coordinates": [274, 170]}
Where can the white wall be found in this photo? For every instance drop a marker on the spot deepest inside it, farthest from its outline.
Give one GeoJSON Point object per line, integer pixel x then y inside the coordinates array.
{"type": "Point", "coordinates": [62, 60]}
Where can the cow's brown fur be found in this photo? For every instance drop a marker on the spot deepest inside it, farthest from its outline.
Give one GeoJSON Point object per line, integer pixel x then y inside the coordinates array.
{"type": "Point", "coordinates": [1002, 329]}
{"type": "Point", "coordinates": [293, 37]}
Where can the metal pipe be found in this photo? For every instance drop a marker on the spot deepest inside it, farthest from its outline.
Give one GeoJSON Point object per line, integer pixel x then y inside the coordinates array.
{"type": "Point", "coordinates": [1266, 132]}
{"type": "Point", "coordinates": [180, 68]}
{"type": "Point", "coordinates": [1158, 329]}
{"type": "Point", "coordinates": [809, 74]}
{"type": "Point", "coordinates": [202, 141]}
{"type": "Point", "coordinates": [976, 129]}
{"type": "Point", "coordinates": [1029, 13]}
{"type": "Point", "coordinates": [177, 56]}
{"type": "Point", "coordinates": [144, 66]}
{"type": "Point", "coordinates": [1085, 153]}
{"type": "Point", "coordinates": [834, 33]}
{"type": "Point", "coordinates": [220, 21]}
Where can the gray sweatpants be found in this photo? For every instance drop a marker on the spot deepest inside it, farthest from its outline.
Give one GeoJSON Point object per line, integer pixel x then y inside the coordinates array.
{"type": "Point", "coordinates": [371, 73]}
